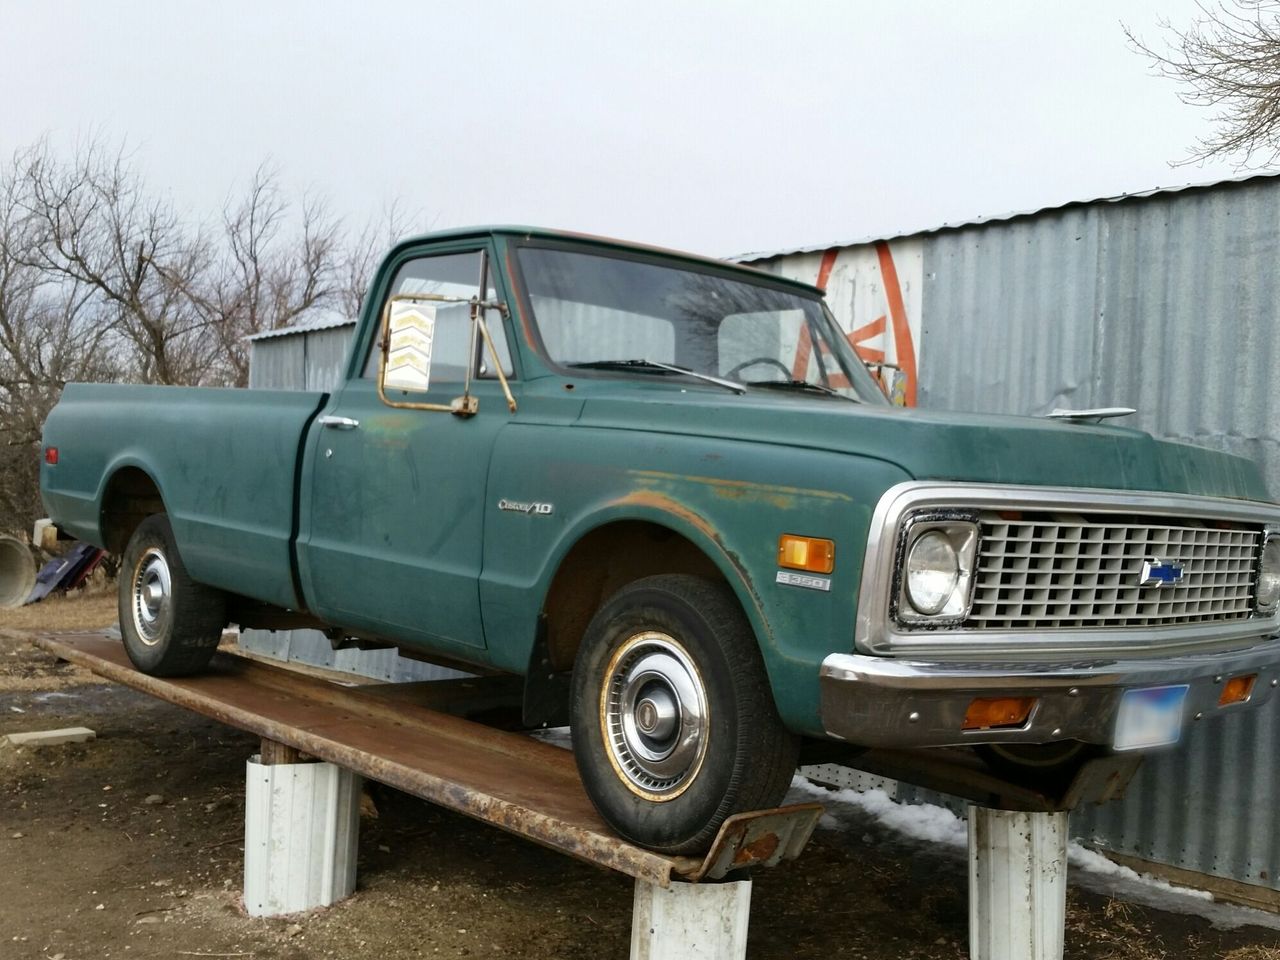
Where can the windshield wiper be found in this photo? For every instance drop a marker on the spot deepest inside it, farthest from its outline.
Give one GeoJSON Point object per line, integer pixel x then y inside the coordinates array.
{"type": "Point", "coordinates": [803, 385]}
{"type": "Point", "coordinates": [655, 365]}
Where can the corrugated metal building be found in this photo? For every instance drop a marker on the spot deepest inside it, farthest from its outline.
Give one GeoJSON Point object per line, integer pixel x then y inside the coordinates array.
{"type": "Point", "coordinates": [312, 356]}
{"type": "Point", "coordinates": [309, 356]}
{"type": "Point", "coordinates": [1165, 301]}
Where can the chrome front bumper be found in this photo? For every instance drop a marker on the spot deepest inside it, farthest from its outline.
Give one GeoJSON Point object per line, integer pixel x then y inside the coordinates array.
{"type": "Point", "coordinates": [891, 702]}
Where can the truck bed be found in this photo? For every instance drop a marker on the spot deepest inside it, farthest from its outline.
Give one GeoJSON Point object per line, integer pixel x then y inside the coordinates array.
{"type": "Point", "coordinates": [224, 460]}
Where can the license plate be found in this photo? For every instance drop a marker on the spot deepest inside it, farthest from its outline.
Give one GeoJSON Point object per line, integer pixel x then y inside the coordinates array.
{"type": "Point", "coordinates": [1150, 717]}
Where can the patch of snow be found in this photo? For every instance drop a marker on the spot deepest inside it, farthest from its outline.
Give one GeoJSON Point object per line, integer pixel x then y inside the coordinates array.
{"type": "Point", "coordinates": [556, 736]}
{"type": "Point", "coordinates": [921, 821]}
{"type": "Point", "coordinates": [847, 810]}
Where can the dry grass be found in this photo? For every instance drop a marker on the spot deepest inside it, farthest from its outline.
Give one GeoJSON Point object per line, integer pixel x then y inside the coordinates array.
{"type": "Point", "coordinates": [1253, 953]}
{"type": "Point", "coordinates": [79, 611]}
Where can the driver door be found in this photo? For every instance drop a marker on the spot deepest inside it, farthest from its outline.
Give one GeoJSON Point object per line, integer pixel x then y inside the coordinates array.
{"type": "Point", "coordinates": [392, 543]}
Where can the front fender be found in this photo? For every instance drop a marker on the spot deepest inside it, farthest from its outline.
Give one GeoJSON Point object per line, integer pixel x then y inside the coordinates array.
{"type": "Point", "coordinates": [733, 507]}
{"type": "Point", "coordinates": [666, 510]}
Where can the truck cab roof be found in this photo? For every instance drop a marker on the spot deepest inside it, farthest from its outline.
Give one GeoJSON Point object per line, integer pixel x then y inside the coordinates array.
{"type": "Point", "coordinates": [521, 232]}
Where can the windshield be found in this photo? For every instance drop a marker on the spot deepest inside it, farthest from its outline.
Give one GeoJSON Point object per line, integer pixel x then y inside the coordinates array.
{"type": "Point", "coordinates": [598, 310]}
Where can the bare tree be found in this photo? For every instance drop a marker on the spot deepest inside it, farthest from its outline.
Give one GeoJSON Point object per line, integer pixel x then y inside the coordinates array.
{"type": "Point", "coordinates": [1227, 60]}
{"type": "Point", "coordinates": [101, 279]}
{"type": "Point", "coordinates": [269, 268]}
{"type": "Point", "coordinates": [364, 251]}
{"type": "Point", "coordinates": [51, 332]}
{"type": "Point", "coordinates": [95, 226]}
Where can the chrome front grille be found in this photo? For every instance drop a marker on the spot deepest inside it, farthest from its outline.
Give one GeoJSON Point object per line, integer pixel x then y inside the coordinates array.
{"type": "Point", "coordinates": [1052, 571]}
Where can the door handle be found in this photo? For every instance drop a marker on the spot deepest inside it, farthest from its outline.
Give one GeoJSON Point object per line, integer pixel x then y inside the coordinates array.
{"type": "Point", "coordinates": [339, 423]}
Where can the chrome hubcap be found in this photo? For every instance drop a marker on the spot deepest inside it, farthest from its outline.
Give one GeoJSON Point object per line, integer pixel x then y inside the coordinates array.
{"type": "Point", "coordinates": [654, 715]}
{"type": "Point", "coordinates": [152, 597]}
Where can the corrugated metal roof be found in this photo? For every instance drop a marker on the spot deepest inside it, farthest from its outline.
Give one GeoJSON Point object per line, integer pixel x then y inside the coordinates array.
{"type": "Point", "coordinates": [329, 322]}
{"type": "Point", "coordinates": [1012, 215]}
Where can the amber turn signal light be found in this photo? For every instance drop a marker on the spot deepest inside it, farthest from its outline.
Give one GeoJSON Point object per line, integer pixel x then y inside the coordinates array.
{"type": "Point", "coordinates": [985, 713]}
{"type": "Point", "coordinates": [1237, 690]}
{"type": "Point", "coordinates": [806, 553]}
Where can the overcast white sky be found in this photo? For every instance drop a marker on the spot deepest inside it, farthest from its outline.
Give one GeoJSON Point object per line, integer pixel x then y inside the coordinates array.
{"type": "Point", "coordinates": [719, 126]}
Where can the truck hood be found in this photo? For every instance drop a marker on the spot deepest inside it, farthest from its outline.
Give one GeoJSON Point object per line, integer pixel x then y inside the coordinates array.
{"type": "Point", "coordinates": [935, 445]}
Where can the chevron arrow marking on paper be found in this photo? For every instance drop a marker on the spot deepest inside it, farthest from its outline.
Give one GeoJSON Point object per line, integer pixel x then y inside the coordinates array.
{"type": "Point", "coordinates": [409, 354]}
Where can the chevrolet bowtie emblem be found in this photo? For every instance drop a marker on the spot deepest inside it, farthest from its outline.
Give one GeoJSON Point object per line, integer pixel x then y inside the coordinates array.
{"type": "Point", "coordinates": [1160, 573]}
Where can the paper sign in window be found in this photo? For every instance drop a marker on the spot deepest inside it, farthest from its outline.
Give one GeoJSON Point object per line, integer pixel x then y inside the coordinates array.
{"type": "Point", "coordinates": [411, 333]}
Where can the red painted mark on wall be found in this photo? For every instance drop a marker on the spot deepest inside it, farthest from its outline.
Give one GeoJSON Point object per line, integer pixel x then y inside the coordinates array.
{"type": "Point", "coordinates": [904, 347]}
{"type": "Point", "coordinates": [804, 347]}
{"type": "Point", "coordinates": [868, 331]}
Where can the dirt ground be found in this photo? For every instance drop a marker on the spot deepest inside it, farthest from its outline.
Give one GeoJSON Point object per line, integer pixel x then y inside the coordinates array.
{"type": "Point", "coordinates": [130, 846]}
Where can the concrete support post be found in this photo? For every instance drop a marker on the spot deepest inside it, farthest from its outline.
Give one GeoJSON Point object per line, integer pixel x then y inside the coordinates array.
{"type": "Point", "coordinates": [1017, 884]}
{"type": "Point", "coordinates": [302, 821]}
{"type": "Point", "coordinates": [690, 921]}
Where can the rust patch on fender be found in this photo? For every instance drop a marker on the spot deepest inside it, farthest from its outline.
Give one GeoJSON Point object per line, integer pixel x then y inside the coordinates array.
{"type": "Point", "coordinates": [778, 494]}
{"type": "Point", "coordinates": [660, 501]}
{"type": "Point", "coordinates": [664, 503]}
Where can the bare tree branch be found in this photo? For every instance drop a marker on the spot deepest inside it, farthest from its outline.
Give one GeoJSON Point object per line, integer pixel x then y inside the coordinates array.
{"type": "Point", "coordinates": [102, 280]}
{"type": "Point", "coordinates": [364, 251]}
{"type": "Point", "coordinates": [94, 225]}
{"type": "Point", "coordinates": [1228, 61]}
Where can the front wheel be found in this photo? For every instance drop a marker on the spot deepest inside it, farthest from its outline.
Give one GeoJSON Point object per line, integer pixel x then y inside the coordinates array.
{"type": "Point", "coordinates": [674, 725]}
{"type": "Point", "coordinates": [171, 625]}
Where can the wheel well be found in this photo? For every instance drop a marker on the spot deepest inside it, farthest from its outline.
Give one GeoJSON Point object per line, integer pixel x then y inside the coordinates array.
{"type": "Point", "coordinates": [131, 497]}
{"type": "Point", "coordinates": [601, 563]}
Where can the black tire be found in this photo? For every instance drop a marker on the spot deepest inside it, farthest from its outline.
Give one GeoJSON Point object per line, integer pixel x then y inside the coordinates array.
{"type": "Point", "coordinates": [1048, 763]}
{"type": "Point", "coordinates": [650, 641]}
{"type": "Point", "coordinates": [171, 625]}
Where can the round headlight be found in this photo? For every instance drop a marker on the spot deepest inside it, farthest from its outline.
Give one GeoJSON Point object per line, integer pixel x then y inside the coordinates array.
{"type": "Point", "coordinates": [1269, 574]}
{"type": "Point", "coordinates": [933, 570]}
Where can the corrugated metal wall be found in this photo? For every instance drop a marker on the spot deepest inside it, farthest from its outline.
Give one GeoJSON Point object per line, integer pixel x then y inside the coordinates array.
{"type": "Point", "coordinates": [306, 360]}
{"type": "Point", "coordinates": [315, 359]}
{"type": "Point", "coordinates": [1169, 304]}
{"type": "Point", "coordinates": [1209, 806]}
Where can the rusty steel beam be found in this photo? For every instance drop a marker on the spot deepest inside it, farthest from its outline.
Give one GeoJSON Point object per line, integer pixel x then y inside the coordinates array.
{"type": "Point", "coordinates": [510, 780]}
{"type": "Point", "coordinates": [961, 774]}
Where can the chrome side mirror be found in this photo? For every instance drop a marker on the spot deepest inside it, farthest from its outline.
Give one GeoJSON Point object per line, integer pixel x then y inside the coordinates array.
{"type": "Point", "coordinates": [406, 340]}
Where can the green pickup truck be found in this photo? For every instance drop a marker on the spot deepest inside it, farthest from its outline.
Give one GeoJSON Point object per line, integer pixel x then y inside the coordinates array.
{"type": "Point", "coordinates": [664, 490]}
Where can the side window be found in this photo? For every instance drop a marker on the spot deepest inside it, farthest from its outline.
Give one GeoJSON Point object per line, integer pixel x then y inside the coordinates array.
{"type": "Point", "coordinates": [454, 275]}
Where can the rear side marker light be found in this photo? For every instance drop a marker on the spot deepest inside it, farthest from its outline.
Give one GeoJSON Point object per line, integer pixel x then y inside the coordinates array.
{"type": "Point", "coordinates": [51, 455]}
{"type": "Point", "coordinates": [1237, 690]}
{"type": "Point", "coordinates": [987, 713]}
{"type": "Point", "coordinates": [811, 554]}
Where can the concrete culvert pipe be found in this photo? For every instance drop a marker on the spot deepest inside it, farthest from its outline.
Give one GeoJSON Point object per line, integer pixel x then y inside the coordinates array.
{"type": "Point", "coordinates": [17, 572]}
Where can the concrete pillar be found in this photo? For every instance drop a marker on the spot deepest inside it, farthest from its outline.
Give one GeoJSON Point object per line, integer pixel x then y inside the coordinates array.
{"type": "Point", "coordinates": [690, 921]}
{"type": "Point", "coordinates": [302, 821]}
{"type": "Point", "coordinates": [1017, 884]}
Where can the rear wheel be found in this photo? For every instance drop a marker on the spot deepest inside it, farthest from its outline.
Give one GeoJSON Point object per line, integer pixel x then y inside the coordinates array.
{"type": "Point", "coordinates": [171, 624]}
{"type": "Point", "coordinates": [674, 725]}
